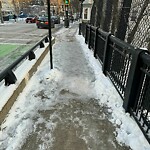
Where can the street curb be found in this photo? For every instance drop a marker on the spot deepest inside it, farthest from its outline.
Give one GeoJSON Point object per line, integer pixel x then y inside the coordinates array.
{"type": "Point", "coordinates": [6, 108]}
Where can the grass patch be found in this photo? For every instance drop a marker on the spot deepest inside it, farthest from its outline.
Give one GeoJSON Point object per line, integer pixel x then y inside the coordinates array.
{"type": "Point", "coordinates": [6, 49]}
{"type": "Point", "coordinates": [13, 50]}
{"type": "Point", "coordinates": [20, 51]}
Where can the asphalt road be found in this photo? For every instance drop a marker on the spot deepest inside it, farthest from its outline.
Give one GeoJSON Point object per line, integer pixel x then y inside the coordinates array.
{"type": "Point", "coordinates": [23, 34]}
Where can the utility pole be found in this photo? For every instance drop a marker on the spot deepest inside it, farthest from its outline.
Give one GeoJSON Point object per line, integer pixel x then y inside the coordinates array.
{"type": "Point", "coordinates": [66, 23]}
{"type": "Point", "coordinates": [1, 16]}
{"type": "Point", "coordinates": [50, 34]}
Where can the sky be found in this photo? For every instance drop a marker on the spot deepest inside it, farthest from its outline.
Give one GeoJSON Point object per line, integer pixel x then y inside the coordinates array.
{"type": "Point", "coordinates": [27, 105]}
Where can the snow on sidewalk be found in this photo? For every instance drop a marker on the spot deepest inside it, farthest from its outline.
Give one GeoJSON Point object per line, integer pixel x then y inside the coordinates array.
{"type": "Point", "coordinates": [72, 107]}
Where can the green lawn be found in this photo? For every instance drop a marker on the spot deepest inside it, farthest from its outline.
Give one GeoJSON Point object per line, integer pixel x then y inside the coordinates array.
{"type": "Point", "coordinates": [6, 49]}
{"type": "Point", "coordinates": [17, 50]}
{"type": "Point", "coordinates": [10, 53]}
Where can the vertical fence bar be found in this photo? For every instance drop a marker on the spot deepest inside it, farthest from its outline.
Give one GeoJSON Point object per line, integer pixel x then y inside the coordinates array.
{"type": "Point", "coordinates": [95, 43]}
{"type": "Point", "coordinates": [86, 31]}
{"type": "Point", "coordinates": [80, 24]}
{"type": "Point", "coordinates": [106, 51]}
{"type": "Point", "coordinates": [89, 40]}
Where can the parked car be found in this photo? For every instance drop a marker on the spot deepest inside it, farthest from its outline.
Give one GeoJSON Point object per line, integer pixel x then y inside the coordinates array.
{"type": "Point", "coordinates": [42, 22]}
{"type": "Point", "coordinates": [31, 19]}
{"type": "Point", "coordinates": [22, 15]}
{"type": "Point", "coordinates": [56, 19]}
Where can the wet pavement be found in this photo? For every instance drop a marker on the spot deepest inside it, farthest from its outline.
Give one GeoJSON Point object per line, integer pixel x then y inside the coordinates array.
{"type": "Point", "coordinates": [68, 115]}
{"type": "Point", "coordinates": [80, 123]}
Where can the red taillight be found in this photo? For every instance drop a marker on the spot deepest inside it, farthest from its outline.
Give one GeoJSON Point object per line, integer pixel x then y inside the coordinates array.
{"type": "Point", "coordinates": [46, 22]}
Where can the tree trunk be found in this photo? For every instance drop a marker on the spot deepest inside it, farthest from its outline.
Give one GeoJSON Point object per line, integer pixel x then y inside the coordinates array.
{"type": "Point", "coordinates": [115, 16]}
{"type": "Point", "coordinates": [93, 12]}
{"type": "Point", "coordinates": [16, 8]}
{"type": "Point", "coordinates": [123, 19]}
{"type": "Point", "coordinates": [107, 16]}
{"type": "Point", "coordinates": [99, 13]}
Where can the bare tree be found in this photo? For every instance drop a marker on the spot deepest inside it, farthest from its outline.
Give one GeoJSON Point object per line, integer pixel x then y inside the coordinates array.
{"type": "Point", "coordinates": [20, 5]}
{"type": "Point", "coordinates": [115, 15]}
{"type": "Point", "coordinates": [99, 12]}
{"type": "Point", "coordinates": [107, 15]}
{"type": "Point", "coordinates": [123, 19]}
{"type": "Point", "coordinates": [93, 12]}
{"type": "Point", "coordinates": [139, 18]}
{"type": "Point", "coordinates": [75, 5]}
{"type": "Point", "coordinates": [16, 6]}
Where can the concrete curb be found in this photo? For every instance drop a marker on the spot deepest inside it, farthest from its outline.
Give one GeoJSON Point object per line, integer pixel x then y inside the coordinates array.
{"type": "Point", "coordinates": [6, 108]}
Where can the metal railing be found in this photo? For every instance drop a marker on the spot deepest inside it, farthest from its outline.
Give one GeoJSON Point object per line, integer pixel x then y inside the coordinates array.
{"type": "Point", "coordinates": [128, 69]}
{"type": "Point", "coordinates": [7, 75]}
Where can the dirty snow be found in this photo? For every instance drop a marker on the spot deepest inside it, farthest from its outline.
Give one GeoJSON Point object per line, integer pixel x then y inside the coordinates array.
{"type": "Point", "coordinates": [21, 119]}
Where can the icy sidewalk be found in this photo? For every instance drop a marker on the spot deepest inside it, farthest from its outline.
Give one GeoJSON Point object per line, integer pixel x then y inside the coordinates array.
{"type": "Point", "coordinates": [72, 107]}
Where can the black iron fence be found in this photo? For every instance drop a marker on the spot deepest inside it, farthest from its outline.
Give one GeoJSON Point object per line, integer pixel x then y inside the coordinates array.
{"type": "Point", "coordinates": [129, 70]}
{"type": "Point", "coordinates": [7, 75]}
{"type": "Point", "coordinates": [82, 27]}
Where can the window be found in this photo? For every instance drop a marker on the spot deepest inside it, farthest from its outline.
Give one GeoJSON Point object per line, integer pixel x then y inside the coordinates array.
{"type": "Point", "coordinates": [85, 13]}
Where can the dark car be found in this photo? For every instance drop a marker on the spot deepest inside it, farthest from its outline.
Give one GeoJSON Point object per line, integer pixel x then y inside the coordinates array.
{"type": "Point", "coordinates": [22, 15]}
{"type": "Point", "coordinates": [42, 22]}
{"type": "Point", "coordinates": [31, 19]}
{"type": "Point", "coordinates": [56, 19]}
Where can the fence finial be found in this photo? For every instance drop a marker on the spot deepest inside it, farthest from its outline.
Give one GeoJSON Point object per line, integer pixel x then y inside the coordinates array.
{"type": "Point", "coordinates": [10, 78]}
{"type": "Point", "coordinates": [31, 55]}
{"type": "Point", "coordinates": [41, 45]}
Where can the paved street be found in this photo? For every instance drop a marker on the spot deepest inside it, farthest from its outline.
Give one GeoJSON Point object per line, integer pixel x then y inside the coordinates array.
{"type": "Point", "coordinates": [23, 35]}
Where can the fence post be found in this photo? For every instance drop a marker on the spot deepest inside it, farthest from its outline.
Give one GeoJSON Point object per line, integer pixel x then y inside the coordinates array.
{"type": "Point", "coordinates": [89, 40]}
{"type": "Point", "coordinates": [10, 78]}
{"type": "Point", "coordinates": [86, 33]}
{"type": "Point", "coordinates": [80, 24]}
{"type": "Point", "coordinates": [106, 51]}
{"type": "Point", "coordinates": [95, 43]}
{"type": "Point", "coordinates": [133, 80]}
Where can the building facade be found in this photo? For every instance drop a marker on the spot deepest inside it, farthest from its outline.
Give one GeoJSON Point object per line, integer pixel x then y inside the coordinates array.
{"type": "Point", "coordinates": [86, 12]}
